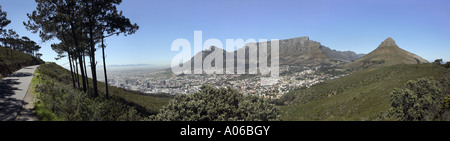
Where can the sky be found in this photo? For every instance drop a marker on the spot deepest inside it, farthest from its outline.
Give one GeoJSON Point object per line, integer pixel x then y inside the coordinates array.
{"type": "Point", "coordinates": [419, 26]}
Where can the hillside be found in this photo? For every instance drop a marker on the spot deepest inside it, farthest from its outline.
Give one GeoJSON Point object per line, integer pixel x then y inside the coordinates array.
{"type": "Point", "coordinates": [386, 54]}
{"type": "Point", "coordinates": [10, 63]}
{"type": "Point", "coordinates": [362, 95]}
{"type": "Point", "coordinates": [54, 77]}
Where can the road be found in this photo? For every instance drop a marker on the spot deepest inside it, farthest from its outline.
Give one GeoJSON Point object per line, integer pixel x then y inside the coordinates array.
{"type": "Point", "coordinates": [12, 92]}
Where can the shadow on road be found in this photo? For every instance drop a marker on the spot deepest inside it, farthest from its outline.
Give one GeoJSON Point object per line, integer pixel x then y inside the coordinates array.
{"type": "Point", "coordinates": [6, 88]}
{"type": "Point", "coordinates": [9, 106]}
{"type": "Point", "coordinates": [21, 74]}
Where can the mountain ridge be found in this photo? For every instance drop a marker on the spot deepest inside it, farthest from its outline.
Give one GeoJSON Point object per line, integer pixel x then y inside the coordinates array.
{"type": "Point", "coordinates": [386, 54]}
{"type": "Point", "coordinates": [299, 51]}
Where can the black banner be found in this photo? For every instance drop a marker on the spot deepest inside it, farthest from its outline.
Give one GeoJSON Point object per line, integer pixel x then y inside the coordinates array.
{"type": "Point", "coordinates": [226, 130]}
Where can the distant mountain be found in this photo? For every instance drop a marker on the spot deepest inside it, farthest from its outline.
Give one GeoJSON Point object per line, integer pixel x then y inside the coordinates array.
{"type": "Point", "coordinates": [340, 55]}
{"type": "Point", "coordinates": [386, 54]}
{"type": "Point", "coordinates": [306, 52]}
{"type": "Point", "coordinates": [293, 52]}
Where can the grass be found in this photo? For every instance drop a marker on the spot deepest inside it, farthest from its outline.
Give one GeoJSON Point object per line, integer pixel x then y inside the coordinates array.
{"type": "Point", "coordinates": [362, 95]}
{"type": "Point", "coordinates": [43, 114]}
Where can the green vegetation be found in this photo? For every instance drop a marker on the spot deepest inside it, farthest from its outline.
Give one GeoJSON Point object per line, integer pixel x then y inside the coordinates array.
{"type": "Point", "coordinates": [223, 104]}
{"type": "Point", "coordinates": [362, 95]}
{"type": "Point", "coordinates": [42, 113]}
{"type": "Point", "coordinates": [444, 109]}
{"type": "Point", "coordinates": [18, 60]}
{"type": "Point", "coordinates": [16, 52]}
{"type": "Point", "coordinates": [59, 101]}
{"type": "Point", "coordinates": [416, 101]}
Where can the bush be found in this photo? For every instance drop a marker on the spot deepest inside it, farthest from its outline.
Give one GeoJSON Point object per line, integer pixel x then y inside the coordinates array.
{"type": "Point", "coordinates": [444, 109]}
{"type": "Point", "coordinates": [414, 103]}
{"type": "Point", "coordinates": [217, 104]}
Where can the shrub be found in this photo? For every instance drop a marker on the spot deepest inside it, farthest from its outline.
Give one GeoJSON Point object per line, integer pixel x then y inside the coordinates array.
{"type": "Point", "coordinates": [415, 101]}
{"type": "Point", "coordinates": [217, 104]}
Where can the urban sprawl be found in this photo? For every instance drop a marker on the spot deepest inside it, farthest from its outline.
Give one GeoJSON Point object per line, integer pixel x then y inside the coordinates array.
{"type": "Point", "coordinates": [163, 81]}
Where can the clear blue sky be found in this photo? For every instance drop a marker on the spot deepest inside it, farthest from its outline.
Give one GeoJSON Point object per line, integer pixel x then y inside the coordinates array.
{"type": "Point", "coordinates": [419, 26]}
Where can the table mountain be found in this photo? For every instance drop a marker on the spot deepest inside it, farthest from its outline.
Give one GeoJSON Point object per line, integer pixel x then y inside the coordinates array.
{"type": "Point", "coordinates": [299, 51]}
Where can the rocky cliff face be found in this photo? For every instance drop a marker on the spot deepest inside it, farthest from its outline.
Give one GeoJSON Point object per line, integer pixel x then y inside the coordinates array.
{"type": "Point", "coordinates": [303, 51]}
{"type": "Point", "coordinates": [299, 51]}
{"type": "Point", "coordinates": [340, 55]}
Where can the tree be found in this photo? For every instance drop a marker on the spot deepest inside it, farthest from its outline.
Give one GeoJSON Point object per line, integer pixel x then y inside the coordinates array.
{"type": "Point", "coordinates": [438, 61]}
{"type": "Point", "coordinates": [218, 104]}
{"type": "Point", "coordinates": [60, 48]}
{"type": "Point", "coordinates": [28, 46]}
{"type": "Point", "coordinates": [414, 102]}
{"type": "Point", "coordinates": [101, 20]}
{"type": "Point", "coordinates": [36, 49]}
{"type": "Point", "coordinates": [3, 20]}
{"type": "Point", "coordinates": [3, 23]}
{"type": "Point", "coordinates": [90, 9]}
{"type": "Point", "coordinates": [61, 19]}
{"type": "Point", "coordinates": [38, 55]}
{"type": "Point", "coordinates": [114, 23]}
{"type": "Point", "coordinates": [81, 24]}
{"type": "Point", "coordinates": [11, 40]}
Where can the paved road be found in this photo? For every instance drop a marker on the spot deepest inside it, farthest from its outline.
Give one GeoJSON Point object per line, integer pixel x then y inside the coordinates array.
{"type": "Point", "coordinates": [12, 92]}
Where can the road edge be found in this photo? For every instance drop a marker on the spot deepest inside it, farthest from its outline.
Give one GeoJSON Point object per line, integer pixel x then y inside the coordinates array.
{"type": "Point", "coordinates": [28, 110]}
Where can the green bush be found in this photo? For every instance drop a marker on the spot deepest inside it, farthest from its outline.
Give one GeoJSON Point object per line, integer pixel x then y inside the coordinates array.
{"type": "Point", "coordinates": [415, 102]}
{"type": "Point", "coordinates": [217, 104]}
{"type": "Point", "coordinates": [444, 109]}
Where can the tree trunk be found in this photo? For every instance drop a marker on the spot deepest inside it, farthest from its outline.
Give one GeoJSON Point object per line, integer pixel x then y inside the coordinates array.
{"type": "Point", "coordinates": [78, 50]}
{"type": "Point", "coordinates": [85, 71]}
{"type": "Point", "coordinates": [77, 78]}
{"type": "Point", "coordinates": [82, 74]}
{"type": "Point", "coordinates": [6, 48]}
{"type": "Point", "coordinates": [104, 68]}
{"type": "Point", "coordinates": [71, 70]}
{"type": "Point", "coordinates": [93, 65]}
{"type": "Point", "coordinates": [11, 51]}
